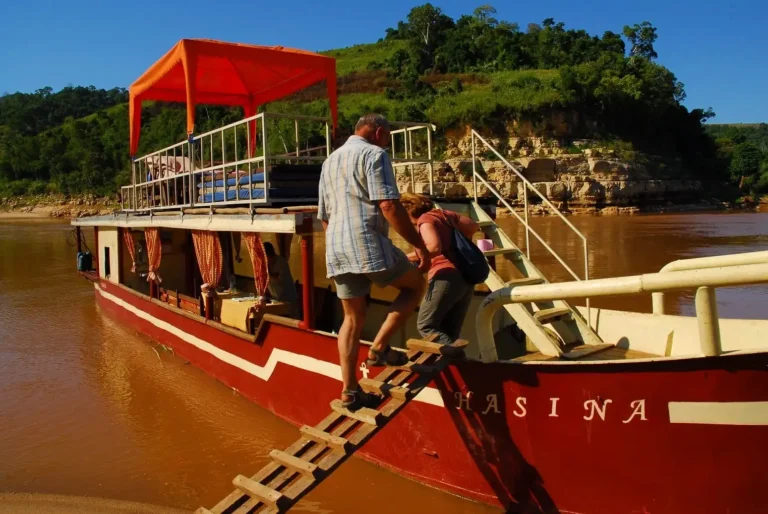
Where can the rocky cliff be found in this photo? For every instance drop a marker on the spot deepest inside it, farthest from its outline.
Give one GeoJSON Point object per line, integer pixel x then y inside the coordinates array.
{"type": "Point", "coordinates": [579, 178]}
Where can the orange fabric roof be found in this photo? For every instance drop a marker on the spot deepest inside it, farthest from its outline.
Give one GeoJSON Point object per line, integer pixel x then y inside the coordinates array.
{"type": "Point", "coordinates": [203, 71]}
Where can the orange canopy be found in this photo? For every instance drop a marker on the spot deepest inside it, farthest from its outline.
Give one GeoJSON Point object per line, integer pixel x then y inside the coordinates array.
{"type": "Point", "coordinates": [203, 71]}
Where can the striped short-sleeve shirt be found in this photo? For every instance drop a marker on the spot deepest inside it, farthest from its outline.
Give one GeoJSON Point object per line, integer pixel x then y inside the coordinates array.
{"type": "Point", "coordinates": [353, 179]}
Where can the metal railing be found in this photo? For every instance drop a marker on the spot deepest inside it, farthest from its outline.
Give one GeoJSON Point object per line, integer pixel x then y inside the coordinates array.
{"type": "Point", "coordinates": [409, 158]}
{"type": "Point", "coordinates": [703, 280]}
{"type": "Point", "coordinates": [218, 166]}
{"type": "Point", "coordinates": [718, 261]}
{"type": "Point", "coordinates": [524, 220]}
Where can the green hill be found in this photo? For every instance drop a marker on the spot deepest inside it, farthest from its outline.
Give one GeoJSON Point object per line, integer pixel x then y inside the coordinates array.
{"type": "Point", "coordinates": [475, 70]}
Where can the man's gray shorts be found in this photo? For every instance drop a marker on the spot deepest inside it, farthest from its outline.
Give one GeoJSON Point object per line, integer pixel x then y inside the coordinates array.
{"type": "Point", "coordinates": [355, 285]}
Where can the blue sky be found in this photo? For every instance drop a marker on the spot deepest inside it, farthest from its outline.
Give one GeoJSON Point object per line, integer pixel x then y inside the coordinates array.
{"type": "Point", "coordinates": [719, 50]}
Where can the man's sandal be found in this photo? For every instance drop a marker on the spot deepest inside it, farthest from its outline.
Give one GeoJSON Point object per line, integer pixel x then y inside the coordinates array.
{"type": "Point", "coordinates": [386, 357]}
{"type": "Point", "coordinates": [356, 399]}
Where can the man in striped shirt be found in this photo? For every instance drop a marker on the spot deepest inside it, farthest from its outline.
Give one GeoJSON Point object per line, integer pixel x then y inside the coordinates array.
{"type": "Point", "coordinates": [358, 202]}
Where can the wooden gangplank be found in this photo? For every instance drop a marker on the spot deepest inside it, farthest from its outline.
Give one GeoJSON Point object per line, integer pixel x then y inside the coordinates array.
{"type": "Point", "coordinates": [295, 471]}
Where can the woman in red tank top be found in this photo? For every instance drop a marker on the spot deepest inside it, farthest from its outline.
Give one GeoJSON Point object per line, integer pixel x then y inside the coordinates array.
{"type": "Point", "coordinates": [448, 296]}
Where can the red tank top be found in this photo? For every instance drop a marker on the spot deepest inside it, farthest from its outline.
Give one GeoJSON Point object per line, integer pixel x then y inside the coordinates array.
{"type": "Point", "coordinates": [440, 262]}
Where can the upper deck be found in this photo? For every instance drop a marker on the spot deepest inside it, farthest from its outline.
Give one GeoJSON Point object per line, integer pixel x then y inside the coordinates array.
{"type": "Point", "coordinates": [269, 160]}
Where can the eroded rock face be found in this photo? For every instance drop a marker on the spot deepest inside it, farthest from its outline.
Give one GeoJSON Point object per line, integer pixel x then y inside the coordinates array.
{"type": "Point", "coordinates": [575, 182]}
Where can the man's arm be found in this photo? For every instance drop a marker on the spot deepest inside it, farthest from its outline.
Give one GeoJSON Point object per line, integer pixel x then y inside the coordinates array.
{"type": "Point", "coordinates": [396, 215]}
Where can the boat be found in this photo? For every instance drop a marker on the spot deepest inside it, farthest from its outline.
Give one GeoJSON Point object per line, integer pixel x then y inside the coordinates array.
{"type": "Point", "coordinates": [556, 408]}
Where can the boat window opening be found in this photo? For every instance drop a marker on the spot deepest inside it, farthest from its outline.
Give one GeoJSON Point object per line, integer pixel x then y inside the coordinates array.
{"type": "Point", "coordinates": [107, 268]}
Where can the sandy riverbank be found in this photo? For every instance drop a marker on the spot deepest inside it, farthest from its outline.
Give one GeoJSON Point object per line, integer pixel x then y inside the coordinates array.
{"type": "Point", "coordinates": [29, 503]}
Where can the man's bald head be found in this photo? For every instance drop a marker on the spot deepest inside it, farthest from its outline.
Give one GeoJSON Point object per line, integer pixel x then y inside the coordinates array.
{"type": "Point", "coordinates": [374, 128]}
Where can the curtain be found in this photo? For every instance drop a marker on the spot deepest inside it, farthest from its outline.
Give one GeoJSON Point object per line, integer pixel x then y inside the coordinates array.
{"type": "Point", "coordinates": [258, 261]}
{"type": "Point", "coordinates": [209, 257]}
{"type": "Point", "coordinates": [130, 245]}
{"type": "Point", "coordinates": [154, 253]}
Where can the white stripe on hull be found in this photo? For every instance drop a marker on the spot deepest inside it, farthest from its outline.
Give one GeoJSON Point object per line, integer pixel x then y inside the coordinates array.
{"type": "Point", "coordinates": [428, 395]}
{"type": "Point", "coordinates": [704, 413]}
{"type": "Point", "coordinates": [719, 413]}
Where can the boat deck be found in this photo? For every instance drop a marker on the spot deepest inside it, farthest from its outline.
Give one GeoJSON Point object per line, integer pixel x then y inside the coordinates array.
{"type": "Point", "coordinates": [612, 353]}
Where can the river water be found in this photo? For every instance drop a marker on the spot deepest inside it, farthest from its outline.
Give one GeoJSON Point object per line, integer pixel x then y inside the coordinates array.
{"type": "Point", "coordinates": [90, 408]}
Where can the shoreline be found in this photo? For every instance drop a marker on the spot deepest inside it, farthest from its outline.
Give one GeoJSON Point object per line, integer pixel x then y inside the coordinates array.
{"type": "Point", "coordinates": [39, 503]}
{"type": "Point", "coordinates": [67, 209]}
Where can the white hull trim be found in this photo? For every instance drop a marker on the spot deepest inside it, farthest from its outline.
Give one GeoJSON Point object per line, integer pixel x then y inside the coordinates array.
{"type": "Point", "coordinates": [428, 395]}
{"type": "Point", "coordinates": [719, 413]}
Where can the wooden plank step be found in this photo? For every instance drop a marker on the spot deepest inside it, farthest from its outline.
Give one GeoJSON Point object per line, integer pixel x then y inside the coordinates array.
{"type": "Point", "coordinates": [415, 367]}
{"type": "Point", "coordinates": [486, 223]}
{"type": "Point", "coordinates": [370, 385]}
{"type": "Point", "coordinates": [551, 315]}
{"type": "Point", "coordinates": [337, 425]}
{"type": "Point", "coordinates": [364, 415]}
{"type": "Point", "coordinates": [321, 437]}
{"type": "Point", "coordinates": [512, 254]}
{"type": "Point", "coordinates": [264, 494]}
{"type": "Point", "coordinates": [453, 350]}
{"type": "Point", "coordinates": [294, 463]}
{"type": "Point", "coordinates": [203, 510]}
{"type": "Point", "coordinates": [583, 350]}
{"type": "Point", "coordinates": [525, 281]}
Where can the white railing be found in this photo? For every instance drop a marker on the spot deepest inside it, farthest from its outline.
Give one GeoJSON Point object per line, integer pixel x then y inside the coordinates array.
{"type": "Point", "coordinates": [409, 158]}
{"type": "Point", "coordinates": [524, 220]}
{"type": "Point", "coordinates": [197, 172]}
{"type": "Point", "coordinates": [718, 261]}
{"type": "Point", "coordinates": [703, 280]}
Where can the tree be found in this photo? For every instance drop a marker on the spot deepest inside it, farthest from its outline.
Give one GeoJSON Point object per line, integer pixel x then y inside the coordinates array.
{"type": "Point", "coordinates": [746, 161]}
{"type": "Point", "coordinates": [425, 22]}
{"type": "Point", "coordinates": [641, 37]}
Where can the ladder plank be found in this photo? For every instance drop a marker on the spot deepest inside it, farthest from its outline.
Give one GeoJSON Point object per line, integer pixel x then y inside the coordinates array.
{"type": "Point", "coordinates": [300, 487]}
{"type": "Point", "coordinates": [451, 351]}
{"type": "Point", "coordinates": [203, 510]}
{"type": "Point", "coordinates": [287, 475]}
{"type": "Point", "coordinates": [291, 483]}
{"type": "Point", "coordinates": [264, 494]}
{"type": "Point", "coordinates": [271, 468]}
{"type": "Point", "coordinates": [289, 461]}
{"type": "Point", "coordinates": [370, 385]}
{"type": "Point", "coordinates": [526, 281]}
{"type": "Point", "coordinates": [551, 315]}
{"type": "Point", "coordinates": [322, 437]}
{"type": "Point", "coordinates": [586, 349]}
{"type": "Point", "coordinates": [364, 415]}
{"type": "Point", "coordinates": [510, 253]}
{"type": "Point", "coordinates": [415, 366]}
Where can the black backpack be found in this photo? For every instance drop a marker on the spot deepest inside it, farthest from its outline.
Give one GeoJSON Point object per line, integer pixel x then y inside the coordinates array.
{"type": "Point", "coordinates": [466, 256]}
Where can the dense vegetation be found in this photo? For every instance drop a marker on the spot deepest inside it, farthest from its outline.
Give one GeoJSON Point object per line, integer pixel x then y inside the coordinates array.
{"type": "Point", "coordinates": [475, 70]}
{"type": "Point", "coordinates": [743, 149]}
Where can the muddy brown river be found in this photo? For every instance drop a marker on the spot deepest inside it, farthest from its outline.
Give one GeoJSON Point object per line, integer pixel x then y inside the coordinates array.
{"type": "Point", "coordinates": [90, 408]}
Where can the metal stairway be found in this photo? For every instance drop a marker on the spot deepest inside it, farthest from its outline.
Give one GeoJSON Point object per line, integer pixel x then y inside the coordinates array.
{"type": "Point", "coordinates": [293, 473]}
{"type": "Point", "coordinates": [554, 327]}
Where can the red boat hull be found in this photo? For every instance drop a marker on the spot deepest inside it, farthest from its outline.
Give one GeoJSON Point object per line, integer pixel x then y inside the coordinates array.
{"type": "Point", "coordinates": [669, 436]}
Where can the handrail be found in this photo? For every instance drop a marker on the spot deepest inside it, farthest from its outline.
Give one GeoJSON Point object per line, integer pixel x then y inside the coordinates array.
{"type": "Point", "coordinates": [140, 194]}
{"type": "Point", "coordinates": [701, 279]}
{"type": "Point", "coordinates": [734, 259]}
{"type": "Point", "coordinates": [528, 228]}
{"type": "Point", "coordinates": [408, 160]}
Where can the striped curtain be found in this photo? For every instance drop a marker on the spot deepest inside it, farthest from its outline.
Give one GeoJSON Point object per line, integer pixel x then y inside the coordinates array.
{"type": "Point", "coordinates": [258, 260]}
{"type": "Point", "coordinates": [130, 245]}
{"type": "Point", "coordinates": [209, 257]}
{"type": "Point", "coordinates": [154, 253]}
